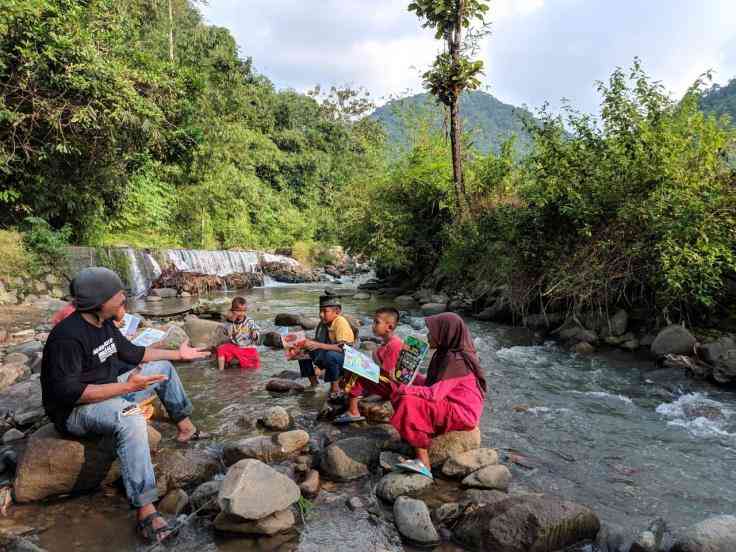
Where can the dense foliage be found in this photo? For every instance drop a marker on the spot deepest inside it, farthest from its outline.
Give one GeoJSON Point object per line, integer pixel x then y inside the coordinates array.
{"type": "Point", "coordinates": [720, 100]}
{"type": "Point", "coordinates": [101, 130]}
{"type": "Point", "coordinates": [637, 207]}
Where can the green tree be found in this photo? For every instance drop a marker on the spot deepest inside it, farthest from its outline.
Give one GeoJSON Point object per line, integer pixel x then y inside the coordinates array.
{"type": "Point", "coordinates": [453, 71]}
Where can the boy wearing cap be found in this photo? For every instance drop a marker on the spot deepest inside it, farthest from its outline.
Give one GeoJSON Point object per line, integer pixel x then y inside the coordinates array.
{"type": "Point", "coordinates": [325, 350]}
{"type": "Point", "coordinates": [88, 387]}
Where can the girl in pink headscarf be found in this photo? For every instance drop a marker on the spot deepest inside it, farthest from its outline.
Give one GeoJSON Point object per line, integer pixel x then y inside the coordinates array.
{"type": "Point", "coordinates": [452, 397]}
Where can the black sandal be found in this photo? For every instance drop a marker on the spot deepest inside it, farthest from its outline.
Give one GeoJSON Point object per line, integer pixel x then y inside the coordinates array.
{"type": "Point", "coordinates": [151, 535]}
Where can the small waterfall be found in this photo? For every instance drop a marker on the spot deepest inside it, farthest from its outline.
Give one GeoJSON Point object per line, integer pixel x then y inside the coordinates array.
{"type": "Point", "coordinates": [142, 270]}
{"type": "Point", "coordinates": [219, 263]}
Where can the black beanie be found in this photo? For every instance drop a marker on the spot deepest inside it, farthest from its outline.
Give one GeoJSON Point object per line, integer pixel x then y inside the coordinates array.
{"type": "Point", "coordinates": [93, 286]}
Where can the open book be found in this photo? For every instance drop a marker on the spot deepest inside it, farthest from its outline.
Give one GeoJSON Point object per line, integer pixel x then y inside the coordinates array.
{"type": "Point", "coordinates": [410, 359]}
{"type": "Point", "coordinates": [357, 363]}
{"type": "Point", "coordinates": [293, 343]}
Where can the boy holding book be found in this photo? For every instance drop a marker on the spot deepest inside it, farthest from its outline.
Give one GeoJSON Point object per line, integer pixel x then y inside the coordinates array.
{"type": "Point", "coordinates": [386, 356]}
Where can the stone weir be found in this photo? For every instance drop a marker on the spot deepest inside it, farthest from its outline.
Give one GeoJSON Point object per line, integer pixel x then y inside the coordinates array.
{"type": "Point", "coordinates": [139, 268]}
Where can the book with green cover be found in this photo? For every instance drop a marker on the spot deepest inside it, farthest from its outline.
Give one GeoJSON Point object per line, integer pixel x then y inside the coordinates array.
{"type": "Point", "coordinates": [410, 359]}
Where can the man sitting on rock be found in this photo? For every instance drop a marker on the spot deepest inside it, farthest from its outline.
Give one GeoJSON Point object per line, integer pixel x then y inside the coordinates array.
{"type": "Point", "coordinates": [91, 383]}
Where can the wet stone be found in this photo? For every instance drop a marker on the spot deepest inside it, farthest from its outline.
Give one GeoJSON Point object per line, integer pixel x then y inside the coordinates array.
{"type": "Point", "coordinates": [396, 484]}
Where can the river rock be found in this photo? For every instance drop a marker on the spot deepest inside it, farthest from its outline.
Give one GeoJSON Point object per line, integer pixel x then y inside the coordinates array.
{"type": "Point", "coordinates": [396, 484]}
{"type": "Point", "coordinates": [276, 418]}
{"type": "Point", "coordinates": [462, 464]}
{"type": "Point", "coordinates": [523, 523]}
{"type": "Point", "coordinates": [376, 411]}
{"type": "Point", "coordinates": [575, 332]}
{"type": "Point", "coordinates": [309, 323]}
{"type": "Point", "coordinates": [362, 296]}
{"type": "Point", "coordinates": [495, 477]}
{"type": "Point", "coordinates": [177, 469]}
{"type": "Point", "coordinates": [27, 348]}
{"type": "Point", "coordinates": [428, 309]}
{"type": "Point", "coordinates": [447, 513]}
{"type": "Point", "coordinates": [279, 385]}
{"type": "Point", "coordinates": [252, 490]}
{"type": "Point", "coordinates": [10, 373]}
{"type": "Point", "coordinates": [481, 497]}
{"type": "Point", "coordinates": [175, 336]}
{"type": "Point", "coordinates": [204, 333]}
{"type": "Point", "coordinates": [174, 502]}
{"type": "Point", "coordinates": [53, 464]}
{"type": "Point", "coordinates": [153, 299]}
{"type": "Point", "coordinates": [164, 292]}
{"type": "Point", "coordinates": [273, 339]}
{"type": "Point", "coordinates": [413, 520]}
{"type": "Point", "coordinates": [269, 525]}
{"type": "Point", "coordinates": [266, 448]}
{"type": "Point", "coordinates": [204, 497]}
{"type": "Point", "coordinates": [673, 339]}
{"type": "Point", "coordinates": [387, 460]}
{"type": "Point", "coordinates": [350, 458]}
{"type": "Point", "coordinates": [715, 534]}
{"type": "Point", "coordinates": [12, 435]}
{"type": "Point", "coordinates": [21, 398]}
{"type": "Point", "coordinates": [584, 348]}
{"type": "Point", "coordinates": [17, 358]}
{"type": "Point", "coordinates": [310, 486]}
{"type": "Point", "coordinates": [619, 322]}
{"type": "Point", "coordinates": [288, 319]}
{"type": "Point", "coordinates": [404, 300]}
{"type": "Point", "coordinates": [452, 442]}
{"type": "Point", "coordinates": [721, 355]}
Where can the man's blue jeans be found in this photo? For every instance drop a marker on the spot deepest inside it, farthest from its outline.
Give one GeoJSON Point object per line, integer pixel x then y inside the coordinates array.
{"type": "Point", "coordinates": [130, 432]}
{"type": "Point", "coordinates": [329, 361]}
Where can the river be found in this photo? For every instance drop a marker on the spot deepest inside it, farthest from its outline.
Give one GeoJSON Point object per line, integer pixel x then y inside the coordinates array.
{"type": "Point", "coordinates": [611, 431]}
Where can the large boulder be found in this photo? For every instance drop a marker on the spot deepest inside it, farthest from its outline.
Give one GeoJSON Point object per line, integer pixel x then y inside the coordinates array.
{"type": "Point", "coordinates": [413, 521]}
{"type": "Point", "coordinates": [715, 534]}
{"type": "Point", "coordinates": [462, 464]}
{"type": "Point", "coordinates": [721, 355]}
{"type": "Point", "coordinates": [396, 484]}
{"type": "Point", "coordinates": [21, 398]}
{"type": "Point", "coordinates": [443, 446]}
{"type": "Point", "coordinates": [53, 464]}
{"type": "Point", "coordinates": [673, 339]}
{"type": "Point", "coordinates": [204, 333]}
{"type": "Point", "coordinates": [252, 490]}
{"type": "Point", "coordinates": [524, 523]}
{"type": "Point", "coordinates": [164, 293]}
{"type": "Point", "coordinates": [283, 385]}
{"type": "Point", "coordinates": [574, 332]}
{"type": "Point", "coordinates": [204, 497]}
{"type": "Point", "coordinates": [177, 469]}
{"type": "Point", "coordinates": [266, 448]}
{"type": "Point", "coordinates": [277, 522]}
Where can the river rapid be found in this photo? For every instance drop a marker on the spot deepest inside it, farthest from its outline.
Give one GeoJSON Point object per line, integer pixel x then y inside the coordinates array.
{"type": "Point", "coordinates": [610, 431]}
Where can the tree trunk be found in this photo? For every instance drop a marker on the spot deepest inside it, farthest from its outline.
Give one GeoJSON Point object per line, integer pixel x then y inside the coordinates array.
{"type": "Point", "coordinates": [171, 32]}
{"type": "Point", "coordinates": [456, 124]}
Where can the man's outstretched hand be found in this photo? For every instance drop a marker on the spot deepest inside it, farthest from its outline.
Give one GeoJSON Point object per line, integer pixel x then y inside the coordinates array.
{"type": "Point", "coordinates": [191, 353]}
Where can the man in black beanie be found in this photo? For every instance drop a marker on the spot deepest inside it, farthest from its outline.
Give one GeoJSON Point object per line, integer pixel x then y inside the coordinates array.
{"type": "Point", "coordinates": [89, 388]}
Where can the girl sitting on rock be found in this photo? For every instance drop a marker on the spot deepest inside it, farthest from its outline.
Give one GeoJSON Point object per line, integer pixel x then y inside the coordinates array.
{"type": "Point", "coordinates": [243, 334]}
{"type": "Point", "coordinates": [452, 397]}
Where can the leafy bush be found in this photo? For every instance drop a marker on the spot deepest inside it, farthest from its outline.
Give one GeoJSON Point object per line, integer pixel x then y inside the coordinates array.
{"type": "Point", "coordinates": [16, 259]}
{"type": "Point", "coordinates": [47, 246]}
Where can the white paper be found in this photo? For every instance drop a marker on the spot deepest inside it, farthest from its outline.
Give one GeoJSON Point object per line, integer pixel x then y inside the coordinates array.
{"type": "Point", "coordinates": [130, 324]}
{"type": "Point", "coordinates": [149, 337]}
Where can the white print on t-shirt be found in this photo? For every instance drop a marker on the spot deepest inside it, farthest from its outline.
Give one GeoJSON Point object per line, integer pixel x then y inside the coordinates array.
{"type": "Point", "coordinates": [106, 350]}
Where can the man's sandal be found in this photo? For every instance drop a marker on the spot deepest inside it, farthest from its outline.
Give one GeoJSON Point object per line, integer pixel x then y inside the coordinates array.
{"type": "Point", "coordinates": [152, 535]}
{"type": "Point", "coordinates": [196, 436]}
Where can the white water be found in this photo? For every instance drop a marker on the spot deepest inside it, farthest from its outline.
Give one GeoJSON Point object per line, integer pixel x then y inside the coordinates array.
{"type": "Point", "coordinates": [699, 426]}
{"type": "Point", "coordinates": [142, 270]}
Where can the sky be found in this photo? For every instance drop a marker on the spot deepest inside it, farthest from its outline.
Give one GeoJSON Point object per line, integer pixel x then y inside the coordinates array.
{"type": "Point", "coordinates": [538, 50]}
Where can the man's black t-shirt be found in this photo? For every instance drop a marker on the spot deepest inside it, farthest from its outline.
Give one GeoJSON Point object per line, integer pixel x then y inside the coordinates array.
{"type": "Point", "coordinates": [78, 354]}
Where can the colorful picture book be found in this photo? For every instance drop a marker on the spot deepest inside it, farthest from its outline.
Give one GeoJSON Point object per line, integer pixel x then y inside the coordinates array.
{"type": "Point", "coordinates": [148, 337]}
{"type": "Point", "coordinates": [130, 324]}
{"type": "Point", "coordinates": [293, 343]}
{"type": "Point", "coordinates": [357, 363]}
{"type": "Point", "coordinates": [410, 359]}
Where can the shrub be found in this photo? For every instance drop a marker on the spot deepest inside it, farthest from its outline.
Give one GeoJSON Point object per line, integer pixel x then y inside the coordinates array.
{"type": "Point", "coordinates": [15, 258]}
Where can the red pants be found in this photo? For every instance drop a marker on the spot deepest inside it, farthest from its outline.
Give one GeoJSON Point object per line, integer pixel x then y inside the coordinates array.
{"type": "Point", "coordinates": [248, 357]}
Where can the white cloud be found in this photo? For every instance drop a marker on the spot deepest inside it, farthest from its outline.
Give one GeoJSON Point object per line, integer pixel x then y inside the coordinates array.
{"type": "Point", "coordinates": [538, 50]}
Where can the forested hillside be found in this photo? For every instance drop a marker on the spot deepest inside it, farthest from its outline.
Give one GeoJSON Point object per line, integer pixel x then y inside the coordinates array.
{"type": "Point", "coordinates": [720, 100]}
{"type": "Point", "coordinates": [107, 127]}
{"type": "Point", "coordinates": [487, 121]}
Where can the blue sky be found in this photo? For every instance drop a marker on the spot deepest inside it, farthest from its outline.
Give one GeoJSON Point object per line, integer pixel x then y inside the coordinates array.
{"type": "Point", "coordinates": [539, 50]}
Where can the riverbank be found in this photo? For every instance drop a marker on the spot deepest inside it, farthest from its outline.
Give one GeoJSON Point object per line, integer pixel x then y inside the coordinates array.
{"type": "Point", "coordinates": [610, 431]}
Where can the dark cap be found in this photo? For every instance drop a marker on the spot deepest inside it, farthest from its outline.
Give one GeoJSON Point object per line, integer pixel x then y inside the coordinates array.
{"type": "Point", "coordinates": [329, 301]}
{"type": "Point", "coordinates": [93, 286]}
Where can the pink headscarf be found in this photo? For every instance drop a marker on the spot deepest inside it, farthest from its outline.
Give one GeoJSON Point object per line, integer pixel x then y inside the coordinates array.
{"type": "Point", "coordinates": [455, 356]}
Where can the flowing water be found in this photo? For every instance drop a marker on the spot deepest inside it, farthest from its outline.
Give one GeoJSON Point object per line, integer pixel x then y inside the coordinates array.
{"type": "Point", "coordinates": [610, 431]}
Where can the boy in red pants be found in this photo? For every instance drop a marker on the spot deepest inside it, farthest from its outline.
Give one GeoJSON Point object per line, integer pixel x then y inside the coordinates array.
{"type": "Point", "coordinates": [385, 321]}
{"type": "Point", "coordinates": [243, 334]}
